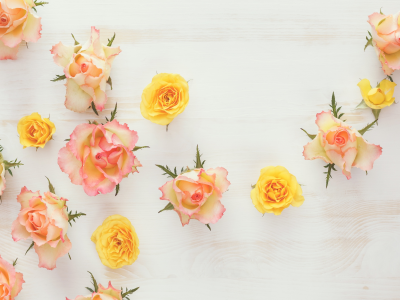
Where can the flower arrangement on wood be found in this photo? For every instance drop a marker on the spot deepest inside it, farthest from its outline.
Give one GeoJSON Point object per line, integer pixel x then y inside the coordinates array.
{"type": "Point", "coordinates": [195, 193]}
{"type": "Point", "coordinates": [6, 166]}
{"type": "Point", "coordinates": [10, 280]}
{"type": "Point", "coordinates": [98, 156]}
{"type": "Point", "coordinates": [45, 219]}
{"type": "Point", "coordinates": [87, 71]}
{"type": "Point", "coordinates": [35, 131]}
{"type": "Point", "coordinates": [99, 292]}
{"type": "Point", "coordinates": [18, 22]}
{"type": "Point", "coordinates": [339, 145]}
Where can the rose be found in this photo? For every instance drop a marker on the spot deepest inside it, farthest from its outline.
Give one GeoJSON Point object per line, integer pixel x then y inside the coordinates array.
{"type": "Point", "coordinates": [10, 281]}
{"type": "Point", "coordinates": [99, 156]}
{"type": "Point", "coordinates": [34, 131]}
{"type": "Point", "coordinates": [276, 189]}
{"type": "Point", "coordinates": [116, 242]}
{"type": "Point", "coordinates": [87, 69]}
{"type": "Point", "coordinates": [45, 220]}
{"type": "Point", "coordinates": [103, 293]}
{"type": "Point", "coordinates": [2, 175]}
{"type": "Point", "coordinates": [379, 97]}
{"type": "Point", "coordinates": [385, 32]}
{"type": "Point", "coordinates": [197, 194]}
{"type": "Point", "coordinates": [164, 98]}
{"type": "Point", "coordinates": [17, 22]}
{"type": "Point", "coordinates": [336, 143]}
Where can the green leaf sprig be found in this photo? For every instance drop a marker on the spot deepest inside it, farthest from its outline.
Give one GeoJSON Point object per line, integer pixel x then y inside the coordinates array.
{"type": "Point", "coordinates": [95, 289]}
{"type": "Point", "coordinates": [41, 3]}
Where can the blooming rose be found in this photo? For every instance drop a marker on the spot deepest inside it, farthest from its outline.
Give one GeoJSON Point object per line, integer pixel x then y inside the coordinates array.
{"type": "Point", "coordinates": [116, 242]}
{"type": "Point", "coordinates": [10, 281]}
{"type": "Point", "coordinates": [197, 194]}
{"type": "Point", "coordinates": [276, 189]}
{"type": "Point", "coordinates": [34, 131]}
{"type": "Point", "coordinates": [17, 22]}
{"type": "Point", "coordinates": [45, 220]}
{"type": "Point", "coordinates": [87, 69]}
{"type": "Point", "coordinates": [99, 156]}
{"type": "Point", "coordinates": [103, 293]}
{"type": "Point", "coordinates": [385, 32]}
{"type": "Point", "coordinates": [379, 97]}
{"type": "Point", "coordinates": [337, 143]}
{"type": "Point", "coordinates": [164, 98]}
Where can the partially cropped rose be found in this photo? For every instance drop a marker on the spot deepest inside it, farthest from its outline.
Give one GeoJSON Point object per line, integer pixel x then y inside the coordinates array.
{"type": "Point", "coordinates": [276, 189]}
{"type": "Point", "coordinates": [18, 22]}
{"type": "Point", "coordinates": [164, 98]}
{"type": "Point", "coordinates": [45, 220]}
{"type": "Point", "coordinates": [87, 69]}
{"type": "Point", "coordinates": [99, 156]}
{"type": "Point", "coordinates": [116, 242]}
{"type": "Point", "coordinates": [379, 97]}
{"type": "Point", "coordinates": [197, 195]}
{"type": "Point", "coordinates": [10, 281]}
{"type": "Point", "coordinates": [2, 175]}
{"type": "Point", "coordinates": [385, 32]}
{"type": "Point", "coordinates": [35, 131]}
{"type": "Point", "coordinates": [103, 293]}
{"type": "Point", "coordinates": [337, 143]}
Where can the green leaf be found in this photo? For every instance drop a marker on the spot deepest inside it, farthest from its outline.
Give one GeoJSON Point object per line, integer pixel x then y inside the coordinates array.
{"type": "Point", "coordinates": [208, 225]}
{"type": "Point", "coordinates": [76, 42]}
{"type": "Point", "coordinates": [376, 113]}
{"type": "Point", "coordinates": [39, 4]}
{"type": "Point", "coordinates": [72, 217]}
{"type": "Point", "coordinates": [114, 112]}
{"type": "Point", "coordinates": [11, 164]}
{"type": "Point", "coordinates": [362, 105]}
{"type": "Point", "coordinates": [168, 207]}
{"type": "Point", "coordinates": [58, 78]}
{"type": "Point", "coordinates": [94, 282]}
{"type": "Point", "coordinates": [369, 43]}
{"type": "Point", "coordinates": [15, 262]}
{"type": "Point", "coordinates": [117, 189]}
{"type": "Point", "coordinates": [69, 256]}
{"type": "Point", "coordinates": [390, 78]}
{"type": "Point", "coordinates": [311, 136]}
{"type": "Point", "coordinates": [111, 41]}
{"type": "Point", "coordinates": [380, 11]}
{"type": "Point", "coordinates": [168, 171]}
{"type": "Point", "coordinates": [335, 110]}
{"type": "Point", "coordinates": [9, 171]}
{"type": "Point", "coordinates": [51, 187]}
{"type": "Point", "coordinates": [198, 163]}
{"type": "Point", "coordinates": [93, 106]}
{"type": "Point", "coordinates": [368, 127]}
{"type": "Point", "coordinates": [30, 247]}
{"type": "Point", "coordinates": [328, 173]}
{"type": "Point", "coordinates": [109, 81]}
{"type": "Point", "coordinates": [67, 140]}
{"type": "Point", "coordinates": [128, 292]}
{"type": "Point", "coordinates": [139, 147]}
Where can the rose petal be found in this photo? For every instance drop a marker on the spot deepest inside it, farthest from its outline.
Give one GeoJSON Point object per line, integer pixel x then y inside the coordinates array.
{"type": "Point", "coordinates": [7, 52]}
{"type": "Point", "coordinates": [314, 150]}
{"type": "Point", "coordinates": [326, 121]}
{"type": "Point", "coordinates": [19, 280]}
{"type": "Point", "coordinates": [76, 99]}
{"type": "Point", "coordinates": [48, 256]}
{"type": "Point", "coordinates": [32, 28]}
{"type": "Point", "coordinates": [13, 38]}
{"type": "Point", "coordinates": [63, 54]}
{"type": "Point", "coordinates": [221, 180]}
{"type": "Point", "coordinates": [110, 291]}
{"type": "Point", "coordinates": [367, 154]}
{"type": "Point", "coordinates": [70, 165]}
{"type": "Point", "coordinates": [18, 231]}
{"type": "Point", "coordinates": [211, 211]}
{"type": "Point", "coordinates": [122, 134]}
{"type": "Point", "coordinates": [104, 187]}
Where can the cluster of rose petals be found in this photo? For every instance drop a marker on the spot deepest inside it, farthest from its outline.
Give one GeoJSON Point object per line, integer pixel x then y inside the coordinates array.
{"type": "Point", "coordinates": [35, 131]}
{"type": "Point", "coordinates": [338, 143]}
{"type": "Point", "coordinates": [385, 32]}
{"type": "Point", "coordinates": [103, 293]}
{"type": "Point", "coordinates": [45, 220]}
{"type": "Point", "coordinates": [18, 22]}
{"type": "Point", "coordinates": [99, 156]}
{"type": "Point", "coordinates": [10, 281]}
{"type": "Point", "coordinates": [379, 97]}
{"type": "Point", "coordinates": [197, 194]}
{"type": "Point", "coordinates": [2, 175]}
{"type": "Point", "coordinates": [87, 69]}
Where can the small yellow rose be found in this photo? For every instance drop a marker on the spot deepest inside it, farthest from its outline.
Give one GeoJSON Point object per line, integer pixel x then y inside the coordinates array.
{"type": "Point", "coordinates": [34, 131]}
{"type": "Point", "coordinates": [164, 98]}
{"type": "Point", "coordinates": [276, 189]}
{"type": "Point", "coordinates": [379, 97]}
{"type": "Point", "coordinates": [116, 242]}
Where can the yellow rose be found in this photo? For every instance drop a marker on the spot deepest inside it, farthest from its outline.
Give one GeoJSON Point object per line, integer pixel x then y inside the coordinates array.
{"type": "Point", "coordinates": [116, 242]}
{"type": "Point", "coordinates": [164, 98]}
{"type": "Point", "coordinates": [34, 131]}
{"type": "Point", "coordinates": [379, 97]}
{"type": "Point", "coordinates": [276, 189]}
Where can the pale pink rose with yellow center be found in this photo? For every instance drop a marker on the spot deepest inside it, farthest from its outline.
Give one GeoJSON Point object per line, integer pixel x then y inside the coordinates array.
{"type": "Point", "coordinates": [87, 69]}
{"type": "Point", "coordinates": [103, 293]}
{"type": "Point", "coordinates": [337, 143]}
{"type": "Point", "coordinates": [99, 156]}
{"type": "Point", "coordinates": [10, 281]}
{"type": "Point", "coordinates": [45, 220]}
{"type": "Point", "coordinates": [385, 32]}
{"type": "Point", "coordinates": [18, 23]}
{"type": "Point", "coordinates": [197, 194]}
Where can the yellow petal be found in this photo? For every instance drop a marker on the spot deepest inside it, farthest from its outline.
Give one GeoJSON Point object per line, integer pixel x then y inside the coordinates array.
{"type": "Point", "coordinates": [365, 87]}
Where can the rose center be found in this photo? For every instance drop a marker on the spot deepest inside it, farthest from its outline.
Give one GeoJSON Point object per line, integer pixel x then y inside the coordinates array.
{"type": "Point", "coordinates": [376, 96]}
{"type": "Point", "coordinates": [84, 68]}
{"type": "Point", "coordinates": [99, 156]}
{"type": "Point", "coordinates": [4, 19]}
{"type": "Point", "coordinates": [197, 196]}
{"type": "Point", "coordinates": [340, 140]}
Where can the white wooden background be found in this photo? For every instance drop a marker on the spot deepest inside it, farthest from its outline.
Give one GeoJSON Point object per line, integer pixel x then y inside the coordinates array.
{"type": "Point", "coordinates": [259, 70]}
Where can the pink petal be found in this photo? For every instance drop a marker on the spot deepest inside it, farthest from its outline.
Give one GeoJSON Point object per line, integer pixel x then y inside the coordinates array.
{"type": "Point", "coordinates": [2, 179]}
{"type": "Point", "coordinates": [48, 256]}
{"type": "Point", "coordinates": [168, 193]}
{"type": "Point", "coordinates": [100, 99]}
{"type": "Point", "coordinates": [13, 38]}
{"type": "Point", "coordinates": [183, 217]}
{"type": "Point", "coordinates": [63, 54]}
{"type": "Point", "coordinates": [110, 291]}
{"type": "Point", "coordinates": [211, 211]}
{"type": "Point", "coordinates": [375, 18]}
{"type": "Point", "coordinates": [344, 162]}
{"type": "Point", "coordinates": [32, 28]}
{"type": "Point", "coordinates": [7, 52]}
{"type": "Point", "coordinates": [94, 44]}
{"type": "Point", "coordinates": [326, 121]}
{"type": "Point", "coordinates": [8, 269]}
{"type": "Point", "coordinates": [122, 134]}
{"type": "Point", "coordinates": [104, 187]}
{"type": "Point", "coordinates": [393, 60]}
{"type": "Point", "coordinates": [80, 138]}
{"type": "Point", "coordinates": [221, 181]}
{"type": "Point", "coordinates": [19, 280]}
{"type": "Point", "coordinates": [76, 99]}
{"type": "Point", "coordinates": [70, 165]}
{"type": "Point", "coordinates": [314, 150]}
{"type": "Point", "coordinates": [25, 196]}
{"type": "Point", "coordinates": [367, 154]}
{"type": "Point", "coordinates": [18, 231]}
{"type": "Point", "coordinates": [387, 25]}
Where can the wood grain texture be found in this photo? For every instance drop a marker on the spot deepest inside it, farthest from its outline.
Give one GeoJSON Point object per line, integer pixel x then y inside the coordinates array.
{"type": "Point", "coordinates": [259, 70]}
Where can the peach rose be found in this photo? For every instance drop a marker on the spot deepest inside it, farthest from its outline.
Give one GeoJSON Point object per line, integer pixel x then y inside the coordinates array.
{"type": "Point", "coordinates": [45, 220]}
{"type": "Point", "coordinates": [2, 175]}
{"type": "Point", "coordinates": [99, 156]}
{"type": "Point", "coordinates": [18, 22]}
{"type": "Point", "coordinates": [103, 293]}
{"type": "Point", "coordinates": [197, 194]}
{"type": "Point", "coordinates": [385, 32]}
{"type": "Point", "coordinates": [87, 69]}
{"type": "Point", "coordinates": [337, 143]}
{"type": "Point", "coordinates": [10, 281]}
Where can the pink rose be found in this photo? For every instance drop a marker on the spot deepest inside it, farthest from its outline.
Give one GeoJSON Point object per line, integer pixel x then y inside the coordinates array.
{"type": "Point", "coordinates": [2, 176]}
{"type": "Point", "coordinates": [197, 194]}
{"type": "Point", "coordinates": [99, 156]}
{"type": "Point", "coordinates": [103, 293]}
{"type": "Point", "coordinates": [87, 69]}
{"type": "Point", "coordinates": [337, 143]}
{"type": "Point", "coordinates": [17, 22]}
{"type": "Point", "coordinates": [10, 281]}
{"type": "Point", "coordinates": [45, 220]}
{"type": "Point", "coordinates": [385, 32]}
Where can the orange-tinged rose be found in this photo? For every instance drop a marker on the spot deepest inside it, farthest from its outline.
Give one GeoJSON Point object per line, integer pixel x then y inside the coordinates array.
{"type": "Point", "coordinates": [10, 281]}
{"type": "Point", "coordinates": [34, 131]}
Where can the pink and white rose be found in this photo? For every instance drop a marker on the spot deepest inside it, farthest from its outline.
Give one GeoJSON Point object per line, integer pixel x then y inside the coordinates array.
{"type": "Point", "coordinates": [197, 195]}
{"type": "Point", "coordinates": [10, 281]}
{"type": "Point", "coordinates": [99, 156]}
{"type": "Point", "coordinates": [337, 143]}
{"type": "Point", "coordinates": [103, 293]}
{"type": "Point", "coordinates": [87, 69]}
{"type": "Point", "coordinates": [18, 22]}
{"type": "Point", "coordinates": [45, 220]}
{"type": "Point", "coordinates": [2, 175]}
